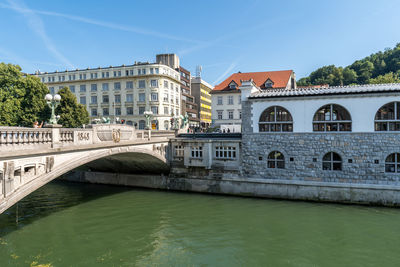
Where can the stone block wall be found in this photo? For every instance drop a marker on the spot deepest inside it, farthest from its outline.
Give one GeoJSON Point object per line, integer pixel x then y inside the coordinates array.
{"type": "Point", "coordinates": [363, 156]}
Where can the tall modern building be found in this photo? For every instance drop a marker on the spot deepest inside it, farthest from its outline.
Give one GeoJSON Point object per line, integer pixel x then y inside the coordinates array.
{"type": "Point", "coordinates": [226, 96]}
{"type": "Point", "coordinates": [189, 105]}
{"type": "Point", "coordinates": [201, 91]}
{"type": "Point", "coordinates": [124, 92]}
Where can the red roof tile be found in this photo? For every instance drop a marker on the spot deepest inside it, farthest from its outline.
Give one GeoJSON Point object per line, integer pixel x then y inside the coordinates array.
{"type": "Point", "coordinates": [279, 78]}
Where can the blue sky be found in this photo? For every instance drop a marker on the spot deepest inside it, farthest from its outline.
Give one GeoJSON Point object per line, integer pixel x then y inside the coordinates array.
{"type": "Point", "coordinates": [222, 36]}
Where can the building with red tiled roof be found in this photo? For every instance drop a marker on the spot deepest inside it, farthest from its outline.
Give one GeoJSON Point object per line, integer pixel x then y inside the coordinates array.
{"type": "Point", "coordinates": [226, 105]}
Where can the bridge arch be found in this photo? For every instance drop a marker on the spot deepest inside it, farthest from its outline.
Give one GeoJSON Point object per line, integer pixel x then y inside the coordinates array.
{"type": "Point", "coordinates": [65, 162]}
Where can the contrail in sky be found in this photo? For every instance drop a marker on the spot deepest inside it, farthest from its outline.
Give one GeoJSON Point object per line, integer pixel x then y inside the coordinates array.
{"type": "Point", "coordinates": [37, 26]}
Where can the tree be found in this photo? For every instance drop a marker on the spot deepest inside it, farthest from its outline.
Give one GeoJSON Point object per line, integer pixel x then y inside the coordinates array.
{"type": "Point", "coordinates": [72, 114]}
{"type": "Point", "coordinates": [361, 71]}
{"type": "Point", "coordinates": [387, 78]}
{"type": "Point", "coordinates": [21, 97]}
{"type": "Point", "coordinates": [349, 76]}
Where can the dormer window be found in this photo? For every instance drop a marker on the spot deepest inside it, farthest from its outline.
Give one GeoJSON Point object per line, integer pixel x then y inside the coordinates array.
{"type": "Point", "coordinates": [268, 83]}
{"type": "Point", "coordinates": [232, 85]}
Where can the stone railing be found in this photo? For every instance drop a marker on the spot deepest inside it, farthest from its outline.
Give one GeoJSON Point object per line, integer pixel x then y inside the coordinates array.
{"type": "Point", "coordinates": [12, 138]}
{"type": "Point", "coordinates": [19, 135]}
{"type": "Point", "coordinates": [66, 135]}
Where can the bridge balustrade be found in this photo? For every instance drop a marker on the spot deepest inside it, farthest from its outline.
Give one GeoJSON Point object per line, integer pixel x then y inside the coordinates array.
{"type": "Point", "coordinates": [18, 135]}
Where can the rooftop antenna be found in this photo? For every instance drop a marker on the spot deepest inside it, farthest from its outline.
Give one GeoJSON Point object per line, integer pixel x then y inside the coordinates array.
{"type": "Point", "coordinates": [199, 69]}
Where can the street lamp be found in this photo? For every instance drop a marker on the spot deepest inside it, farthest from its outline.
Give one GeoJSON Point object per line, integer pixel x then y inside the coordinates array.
{"type": "Point", "coordinates": [53, 102]}
{"type": "Point", "coordinates": [148, 115]}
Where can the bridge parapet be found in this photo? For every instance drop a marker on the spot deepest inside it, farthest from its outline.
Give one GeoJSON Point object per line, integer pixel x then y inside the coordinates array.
{"type": "Point", "coordinates": [20, 138]}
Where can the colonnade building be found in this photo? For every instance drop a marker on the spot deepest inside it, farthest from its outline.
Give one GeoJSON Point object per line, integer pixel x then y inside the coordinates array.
{"type": "Point", "coordinates": [123, 92]}
{"type": "Point", "coordinates": [347, 134]}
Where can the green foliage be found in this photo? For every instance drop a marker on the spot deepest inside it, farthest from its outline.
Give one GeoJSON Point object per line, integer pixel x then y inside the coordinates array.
{"type": "Point", "coordinates": [372, 69]}
{"type": "Point", "coordinates": [21, 97]}
{"type": "Point", "coordinates": [72, 114]}
{"type": "Point", "coordinates": [386, 78]}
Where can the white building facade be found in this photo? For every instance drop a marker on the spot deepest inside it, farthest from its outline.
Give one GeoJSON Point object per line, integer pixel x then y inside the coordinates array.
{"type": "Point", "coordinates": [124, 92]}
{"type": "Point", "coordinates": [226, 96]}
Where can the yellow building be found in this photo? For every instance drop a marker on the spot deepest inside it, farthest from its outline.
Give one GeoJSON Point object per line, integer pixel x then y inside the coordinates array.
{"type": "Point", "coordinates": [201, 91]}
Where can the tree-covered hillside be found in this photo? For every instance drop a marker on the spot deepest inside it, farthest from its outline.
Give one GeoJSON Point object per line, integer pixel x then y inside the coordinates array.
{"type": "Point", "coordinates": [381, 67]}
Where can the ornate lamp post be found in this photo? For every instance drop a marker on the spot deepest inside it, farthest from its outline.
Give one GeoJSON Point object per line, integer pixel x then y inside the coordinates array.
{"type": "Point", "coordinates": [148, 115]}
{"type": "Point", "coordinates": [53, 102]}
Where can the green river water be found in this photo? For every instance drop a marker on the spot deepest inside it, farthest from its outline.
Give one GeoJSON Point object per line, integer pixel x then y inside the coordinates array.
{"type": "Point", "coordinates": [67, 224]}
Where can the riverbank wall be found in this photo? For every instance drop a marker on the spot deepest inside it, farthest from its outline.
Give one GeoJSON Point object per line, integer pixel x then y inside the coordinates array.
{"type": "Point", "coordinates": [371, 194]}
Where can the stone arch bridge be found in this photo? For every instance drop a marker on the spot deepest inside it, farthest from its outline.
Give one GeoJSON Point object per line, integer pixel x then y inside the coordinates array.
{"type": "Point", "coordinates": [30, 158]}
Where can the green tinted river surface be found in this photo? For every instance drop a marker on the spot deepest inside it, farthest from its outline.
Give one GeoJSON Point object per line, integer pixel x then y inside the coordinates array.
{"type": "Point", "coordinates": [68, 224]}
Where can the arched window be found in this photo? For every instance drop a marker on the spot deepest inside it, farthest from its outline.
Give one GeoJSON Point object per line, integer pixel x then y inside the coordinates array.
{"type": "Point", "coordinates": [142, 125]}
{"type": "Point", "coordinates": [275, 119]}
{"type": "Point", "coordinates": [276, 160]}
{"type": "Point", "coordinates": [392, 163]}
{"type": "Point", "coordinates": [332, 162]}
{"type": "Point", "coordinates": [166, 124]}
{"type": "Point", "coordinates": [387, 118]}
{"type": "Point", "coordinates": [332, 118]}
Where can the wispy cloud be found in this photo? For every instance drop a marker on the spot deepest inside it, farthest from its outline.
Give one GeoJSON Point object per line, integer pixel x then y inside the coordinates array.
{"type": "Point", "coordinates": [105, 24]}
{"type": "Point", "coordinates": [228, 70]}
{"type": "Point", "coordinates": [37, 26]}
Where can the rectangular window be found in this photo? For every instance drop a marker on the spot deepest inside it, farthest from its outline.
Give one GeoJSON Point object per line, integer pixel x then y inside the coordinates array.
{"type": "Point", "coordinates": [240, 114]}
{"type": "Point", "coordinates": [105, 86]}
{"type": "Point", "coordinates": [179, 151]}
{"type": "Point", "coordinates": [93, 111]}
{"type": "Point", "coordinates": [129, 85]}
{"type": "Point", "coordinates": [106, 99]}
{"type": "Point", "coordinates": [177, 89]}
{"type": "Point", "coordinates": [219, 100]}
{"type": "Point", "coordinates": [154, 109]}
{"type": "Point", "coordinates": [117, 98]}
{"type": "Point", "coordinates": [225, 152]}
{"type": "Point", "coordinates": [105, 74]}
{"type": "Point", "coordinates": [154, 96]}
{"type": "Point", "coordinates": [129, 98]}
{"type": "Point", "coordinates": [52, 91]}
{"type": "Point", "coordinates": [151, 70]}
{"type": "Point", "coordinates": [82, 76]}
{"type": "Point", "coordinates": [93, 75]}
{"type": "Point", "coordinates": [117, 73]}
{"type": "Point", "coordinates": [93, 99]}
{"type": "Point", "coordinates": [139, 72]}
{"type": "Point", "coordinates": [106, 112]}
{"type": "Point", "coordinates": [72, 88]}
{"type": "Point", "coordinates": [141, 110]}
{"type": "Point", "coordinates": [129, 110]}
{"type": "Point", "coordinates": [82, 88]}
{"type": "Point", "coordinates": [93, 87]}
{"type": "Point", "coordinates": [117, 111]}
{"type": "Point", "coordinates": [165, 84]}
{"type": "Point", "coordinates": [196, 152]}
{"type": "Point", "coordinates": [144, 71]}
{"type": "Point", "coordinates": [166, 97]}
{"type": "Point", "coordinates": [82, 100]}
{"type": "Point", "coordinates": [153, 83]}
{"type": "Point", "coordinates": [117, 86]}
{"type": "Point", "coordinates": [165, 110]}
{"type": "Point", "coordinates": [230, 100]}
{"type": "Point", "coordinates": [177, 100]}
{"type": "Point", "coordinates": [230, 114]}
{"type": "Point", "coordinates": [142, 84]}
{"type": "Point", "coordinates": [156, 70]}
{"type": "Point", "coordinates": [131, 72]}
{"type": "Point", "coordinates": [220, 114]}
{"type": "Point", "coordinates": [142, 97]}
